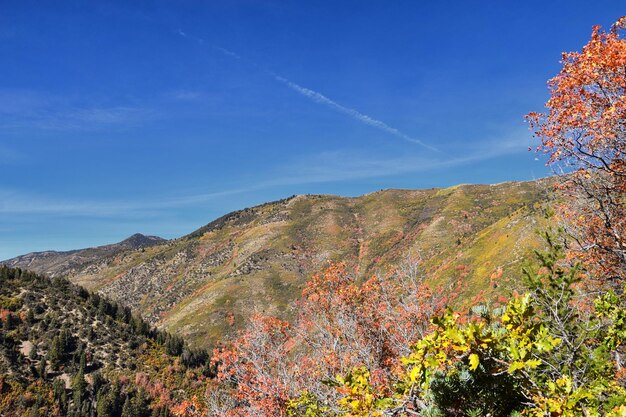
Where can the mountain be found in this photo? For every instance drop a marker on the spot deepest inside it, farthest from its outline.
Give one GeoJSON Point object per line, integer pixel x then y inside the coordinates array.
{"type": "Point", "coordinates": [67, 263]}
{"type": "Point", "coordinates": [203, 285]}
{"type": "Point", "coordinates": [65, 352]}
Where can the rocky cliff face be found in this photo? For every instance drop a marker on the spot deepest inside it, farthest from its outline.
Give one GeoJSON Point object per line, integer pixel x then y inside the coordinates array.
{"type": "Point", "coordinates": [259, 258]}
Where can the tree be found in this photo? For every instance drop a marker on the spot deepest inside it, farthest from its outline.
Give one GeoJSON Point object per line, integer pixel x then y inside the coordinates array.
{"type": "Point", "coordinates": [136, 405]}
{"type": "Point", "coordinates": [174, 345]}
{"type": "Point", "coordinates": [30, 316]}
{"type": "Point", "coordinates": [55, 354]}
{"type": "Point", "coordinates": [342, 324]}
{"type": "Point", "coordinates": [41, 369]}
{"type": "Point", "coordinates": [127, 408]}
{"type": "Point", "coordinates": [539, 355]}
{"type": "Point", "coordinates": [60, 396]}
{"type": "Point", "coordinates": [584, 128]}
{"type": "Point", "coordinates": [79, 387]}
{"type": "Point", "coordinates": [108, 399]}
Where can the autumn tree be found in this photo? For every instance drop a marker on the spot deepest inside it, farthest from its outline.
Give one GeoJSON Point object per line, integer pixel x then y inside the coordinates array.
{"type": "Point", "coordinates": [539, 356]}
{"type": "Point", "coordinates": [345, 323]}
{"type": "Point", "coordinates": [385, 347]}
{"type": "Point", "coordinates": [342, 324]}
{"type": "Point", "coordinates": [584, 132]}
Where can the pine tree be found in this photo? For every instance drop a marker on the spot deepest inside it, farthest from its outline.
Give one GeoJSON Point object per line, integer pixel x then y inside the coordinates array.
{"type": "Point", "coordinates": [83, 361]}
{"type": "Point", "coordinates": [78, 388]}
{"type": "Point", "coordinates": [41, 369]}
{"type": "Point", "coordinates": [30, 316]}
{"type": "Point", "coordinates": [55, 353]}
{"type": "Point", "coordinates": [104, 407]}
{"type": "Point", "coordinates": [60, 396]}
{"type": "Point", "coordinates": [127, 408]}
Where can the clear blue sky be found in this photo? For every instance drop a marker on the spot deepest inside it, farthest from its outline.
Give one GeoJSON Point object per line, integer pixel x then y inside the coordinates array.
{"type": "Point", "coordinates": [158, 116]}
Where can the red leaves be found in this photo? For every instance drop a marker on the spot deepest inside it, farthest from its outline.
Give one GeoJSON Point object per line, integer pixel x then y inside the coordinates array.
{"type": "Point", "coordinates": [256, 362]}
{"type": "Point", "coordinates": [4, 315]}
{"type": "Point", "coordinates": [585, 129]}
{"type": "Point", "coordinates": [341, 324]}
{"type": "Point", "coordinates": [187, 408]}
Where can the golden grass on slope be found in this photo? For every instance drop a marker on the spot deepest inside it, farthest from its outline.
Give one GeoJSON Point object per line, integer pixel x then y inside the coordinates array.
{"type": "Point", "coordinates": [259, 258]}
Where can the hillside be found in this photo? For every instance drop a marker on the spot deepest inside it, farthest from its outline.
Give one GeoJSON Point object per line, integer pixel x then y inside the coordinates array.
{"type": "Point", "coordinates": [56, 264]}
{"type": "Point", "coordinates": [203, 285]}
{"type": "Point", "coordinates": [63, 348]}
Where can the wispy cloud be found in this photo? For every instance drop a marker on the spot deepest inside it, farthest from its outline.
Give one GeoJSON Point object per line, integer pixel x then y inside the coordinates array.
{"type": "Point", "coordinates": [218, 48]}
{"type": "Point", "coordinates": [16, 202]}
{"type": "Point", "coordinates": [189, 36]}
{"type": "Point", "coordinates": [227, 52]}
{"type": "Point", "coordinates": [319, 97]}
{"type": "Point", "coordinates": [326, 167]}
{"type": "Point", "coordinates": [29, 109]}
{"type": "Point", "coordinates": [186, 95]}
{"type": "Point", "coordinates": [107, 116]}
{"type": "Point", "coordinates": [340, 166]}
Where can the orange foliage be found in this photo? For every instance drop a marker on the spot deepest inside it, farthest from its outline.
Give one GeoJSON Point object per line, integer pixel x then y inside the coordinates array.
{"type": "Point", "coordinates": [187, 408]}
{"type": "Point", "coordinates": [585, 129]}
{"type": "Point", "coordinates": [4, 315]}
{"type": "Point", "coordinates": [341, 324]}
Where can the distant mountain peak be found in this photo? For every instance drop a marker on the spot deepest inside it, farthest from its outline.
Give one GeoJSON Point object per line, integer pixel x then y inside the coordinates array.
{"type": "Point", "coordinates": [139, 240]}
{"type": "Point", "coordinates": [55, 263]}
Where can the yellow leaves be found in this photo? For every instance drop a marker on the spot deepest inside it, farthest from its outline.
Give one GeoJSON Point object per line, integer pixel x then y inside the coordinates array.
{"type": "Point", "coordinates": [474, 361]}
{"type": "Point", "coordinates": [359, 397]}
{"type": "Point", "coordinates": [533, 363]}
{"type": "Point", "coordinates": [515, 366]}
{"type": "Point", "coordinates": [518, 365]}
{"type": "Point", "coordinates": [564, 383]}
{"type": "Point", "coordinates": [517, 342]}
{"type": "Point", "coordinates": [415, 374]}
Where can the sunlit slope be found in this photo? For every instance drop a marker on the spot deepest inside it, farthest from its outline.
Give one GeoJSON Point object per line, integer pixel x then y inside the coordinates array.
{"type": "Point", "coordinates": [204, 285]}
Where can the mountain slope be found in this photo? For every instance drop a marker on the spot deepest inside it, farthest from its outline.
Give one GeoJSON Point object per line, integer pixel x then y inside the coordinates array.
{"type": "Point", "coordinates": [65, 351]}
{"type": "Point", "coordinates": [55, 263]}
{"type": "Point", "coordinates": [203, 285]}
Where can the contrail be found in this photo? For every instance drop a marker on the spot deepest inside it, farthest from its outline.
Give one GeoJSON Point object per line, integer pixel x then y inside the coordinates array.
{"type": "Point", "coordinates": [320, 98]}
{"type": "Point", "coordinates": [355, 114]}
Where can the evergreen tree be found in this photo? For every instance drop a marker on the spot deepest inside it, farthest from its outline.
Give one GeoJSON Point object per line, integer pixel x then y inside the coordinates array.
{"type": "Point", "coordinates": [104, 407]}
{"type": "Point", "coordinates": [41, 369]}
{"type": "Point", "coordinates": [127, 408]}
{"type": "Point", "coordinates": [78, 388]}
{"type": "Point", "coordinates": [30, 316]}
{"type": "Point", "coordinates": [55, 353]}
{"type": "Point", "coordinates": [60, 396]}
{"type": "Point", "coordinates": [82, 362]}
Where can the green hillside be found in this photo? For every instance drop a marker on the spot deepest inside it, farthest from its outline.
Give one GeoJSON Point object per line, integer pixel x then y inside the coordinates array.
{"type": "Point", "coordinates": [67, 352]}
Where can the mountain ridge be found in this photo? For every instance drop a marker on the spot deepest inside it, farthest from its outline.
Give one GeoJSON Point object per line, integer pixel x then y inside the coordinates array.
{"type": "Point", "coordinates": [62, 260]}
{"type": "Point", "coordinates": [204, 284]}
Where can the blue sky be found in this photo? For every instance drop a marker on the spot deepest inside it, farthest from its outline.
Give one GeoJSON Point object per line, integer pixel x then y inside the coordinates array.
{"type": "Point", "coordinates": [156, 117]}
